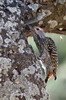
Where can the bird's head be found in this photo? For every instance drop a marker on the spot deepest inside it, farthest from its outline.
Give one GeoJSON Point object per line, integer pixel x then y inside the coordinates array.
{"type": "Point", "coordinates": [39, 32]}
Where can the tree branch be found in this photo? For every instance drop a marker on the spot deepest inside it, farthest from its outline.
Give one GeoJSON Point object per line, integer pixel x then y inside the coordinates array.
{"type": "Point", "coordinates": [56, 21]}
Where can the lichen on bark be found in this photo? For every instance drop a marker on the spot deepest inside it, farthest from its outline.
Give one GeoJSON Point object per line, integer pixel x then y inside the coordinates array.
{"type": "Point", "coordinates": [21, 77]}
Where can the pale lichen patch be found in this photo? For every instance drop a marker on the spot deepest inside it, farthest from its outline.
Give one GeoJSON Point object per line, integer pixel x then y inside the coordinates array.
{"type": "Point", "coordinates": [15, 73]}
{"type": "Point", "coordinates": [5, 64]}
{"type": "Point", "coordinates": [18, 12]}
{"type": "Point", "coordinates": [1, 23]}
{"type": "Point", "coordinates": [45, 94]}
{"type": "Point", "coordinates": [28, 50]}
{"type": "Point", "coordinates": [9, 1]}
{"type": "Point", "coordinates": [64, 18]}
{"type": "Point", "coordinates": [38, 76]}
{"type": "Point", "coordinates": [21, 45]}
{"type": "Point", "coordinates": [34, 7]}
{"type": "Point", "coordinates": [2, 13]}
{"type": "Point", "coordinates": [1, 2]}
{"type": "Point", "coordinates": [48, 12]}
{"type": "Point", "coordinates": [10, 24]}
{"type": "Point", "coordinates": [52, 23]}
{"type": "Point", "coordinates": [60, 1]}
{"type": "Point", "coordinates": [41, 22]}
{"type": "Point", "coordinates": [17, 81]}
{"type": "Point", "coordinates": [15, 36]}
{"type": "Point", "coordinates": [33, 89]}
{"type": "Point", "coordinates": [29, 70]}
{"type": "Point", "coordinates": [14, 96]}
{"type": "Point", "coordinates": [7, 40]}
{"type": "Point", "coordinates": [12, 36]}
{"type": "Point", "coordinates": [11, 18]}
{"type": "Point", "coordinates": [1, 40]}
{"type": "Point", "coordinates": [60, 23]}
{"type": "Point", "coordinates": [12, 9]}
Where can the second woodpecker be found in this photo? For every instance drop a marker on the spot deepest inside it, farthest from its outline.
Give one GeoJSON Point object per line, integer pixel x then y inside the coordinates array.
{"type": "Point", "coordinates": [48, 51]}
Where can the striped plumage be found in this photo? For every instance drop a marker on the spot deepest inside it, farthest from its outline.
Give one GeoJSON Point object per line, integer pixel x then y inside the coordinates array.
{"type": "Point", "coordinates": [46, 47]}
{"type": "Point", "coordinates": [51, 48]}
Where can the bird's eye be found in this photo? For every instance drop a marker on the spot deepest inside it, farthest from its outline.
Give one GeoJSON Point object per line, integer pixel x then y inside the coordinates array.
{"type": "Point", "coordinates": [37, 28]}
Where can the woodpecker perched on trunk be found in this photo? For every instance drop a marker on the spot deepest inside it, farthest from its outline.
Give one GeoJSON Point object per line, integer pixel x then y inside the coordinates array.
{"type": "Point", "coordinates": [48, 51]}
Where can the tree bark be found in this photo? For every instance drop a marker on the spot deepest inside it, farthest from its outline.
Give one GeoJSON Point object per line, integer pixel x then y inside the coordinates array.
{"type": "Point", "coordinates": [21, 77]}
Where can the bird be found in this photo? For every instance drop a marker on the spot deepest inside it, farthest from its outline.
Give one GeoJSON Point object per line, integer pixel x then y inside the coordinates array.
{"type": "Point", "coordinates": [48, 51]}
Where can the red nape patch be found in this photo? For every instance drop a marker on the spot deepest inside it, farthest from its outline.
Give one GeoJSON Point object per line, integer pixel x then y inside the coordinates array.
{"type": "Point", "coordinates": [42, 28]}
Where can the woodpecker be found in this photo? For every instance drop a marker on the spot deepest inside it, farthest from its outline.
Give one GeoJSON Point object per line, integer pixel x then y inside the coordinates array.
{"type": "Point", "coordinates": [48, 51]}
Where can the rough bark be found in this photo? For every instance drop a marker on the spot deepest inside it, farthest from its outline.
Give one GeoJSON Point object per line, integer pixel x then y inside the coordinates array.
{"type": "Point", "coordinates": [21, 77]}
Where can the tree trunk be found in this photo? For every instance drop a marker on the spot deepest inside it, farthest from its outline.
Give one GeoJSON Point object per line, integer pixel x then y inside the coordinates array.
{"type": "Point", "coordinates": [21, 77]}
